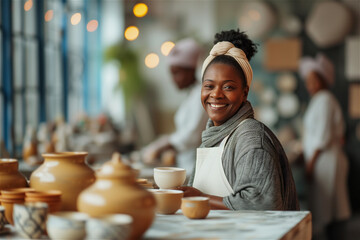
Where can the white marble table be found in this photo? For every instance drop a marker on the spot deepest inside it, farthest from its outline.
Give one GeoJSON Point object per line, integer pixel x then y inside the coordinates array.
{"type": "Point", "coordinates": [284, 225]}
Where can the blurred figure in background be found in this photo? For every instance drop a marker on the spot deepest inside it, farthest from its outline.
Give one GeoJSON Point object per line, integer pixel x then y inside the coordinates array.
{"type": "Point", "coordinates": [190, 118]}
{"type": "Point", "coordinates": [326, 162]}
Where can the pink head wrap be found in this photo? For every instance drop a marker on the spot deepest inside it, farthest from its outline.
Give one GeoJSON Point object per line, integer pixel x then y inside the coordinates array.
{"type": "Point", "coordinates": [321, 65]}
{"type": "Point", "coordinates": [185, 53]}
{"type": "Point", "coordinates": [227, 48]}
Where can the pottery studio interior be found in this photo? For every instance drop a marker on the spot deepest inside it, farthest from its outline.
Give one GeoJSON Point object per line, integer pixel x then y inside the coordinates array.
{"type": "Point", "coordinates": [110, 110]}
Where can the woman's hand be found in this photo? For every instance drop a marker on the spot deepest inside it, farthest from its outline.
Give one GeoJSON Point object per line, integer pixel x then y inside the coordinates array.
{"type": "Point", "coordinates": [190, 191]}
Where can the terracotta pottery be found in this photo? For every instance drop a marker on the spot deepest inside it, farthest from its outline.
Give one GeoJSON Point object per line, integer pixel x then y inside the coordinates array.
{"type": "Point", "coordinates": [167, 201]}
{"type": "Point", "coordinates": [116, 191]}
{"type": "Point", "coordinates": [195, 207]}
{"type": "Point", "coordinates": [66, 172]}
{"type": "Point", "coordinates": [9, 174]}
{"type": "Point", "coordinates": [52, 198]}
{"type": "Point", "coordinates": [8, 204]}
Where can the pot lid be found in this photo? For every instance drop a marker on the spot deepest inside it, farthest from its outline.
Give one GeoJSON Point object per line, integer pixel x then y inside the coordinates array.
{"type": "Point", "coordinates": [115, 168]}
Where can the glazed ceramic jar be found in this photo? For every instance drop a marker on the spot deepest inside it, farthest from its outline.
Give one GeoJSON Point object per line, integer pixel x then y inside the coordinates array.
{"type": "Point", "coordinates": [116, 191]}
{"type": "Point", "coordinates": [9, 174]}
{"type": "Point", "coordinates": [66, 172]}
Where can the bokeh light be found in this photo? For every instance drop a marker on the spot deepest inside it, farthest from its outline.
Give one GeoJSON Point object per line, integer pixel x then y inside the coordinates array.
{"type": "Point", "coordinates": [131, 33]}
{"type": "Point", "coordinates": [152, 60]}
{"type": "Point", "coordinates": [166, 47]}
{"type": "Point", "coordinates": [49, 15]}
{"type": "Point", "coordinates": [28, 5]}
{"type": "Point", "coordinates": [92, 25]}
{"type": "Point", "coordinates": [75, 18]}
{"type": "Point", "coordinates": [140, 10]}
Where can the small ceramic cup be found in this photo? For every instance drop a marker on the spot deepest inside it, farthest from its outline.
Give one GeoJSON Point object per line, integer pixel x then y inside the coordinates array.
{"type": "Point", "coordinates": [195, 207]}
{"type": "Point", "coordinates": [167, 201]}
{"type": "Point", "coordinates": [169, 177]}
{"type": "Point", "coordinates": [67, 225]}
{"type": "Point", "coordinates": [2, 218]}
{"type": "Point", "coordinates": [30, 219]}
{"type": "Point", "coordinates": [110, 226]}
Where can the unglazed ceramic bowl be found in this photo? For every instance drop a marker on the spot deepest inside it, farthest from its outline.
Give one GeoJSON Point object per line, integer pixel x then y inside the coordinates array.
{"type": "Point", "coordinates": [30, 219]}
{"type": "Point", "coordinates": [110, 226]}
{"type": "Point", "coordinates": [167, 201]}
{"type": "Point", "coordinates": [169, 177]}
{"type": "Point", "coordinates": [67, 225]}
{"type": "Point", "coordinates": [195, 207]}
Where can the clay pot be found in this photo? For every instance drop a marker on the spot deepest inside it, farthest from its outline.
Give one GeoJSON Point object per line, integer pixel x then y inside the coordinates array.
{"type": "Point", "coordinates": [116, 191]}
{"type": "Point", "coordinates": [9, 174]}
{"type": "Point", "coordinates": [66, 172]}
{"type": "Point", "coordinates": [195, 207]}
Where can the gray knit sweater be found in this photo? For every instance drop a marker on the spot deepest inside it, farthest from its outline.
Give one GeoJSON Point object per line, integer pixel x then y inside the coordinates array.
{"type": "Point", "coordinates": [254, 163]}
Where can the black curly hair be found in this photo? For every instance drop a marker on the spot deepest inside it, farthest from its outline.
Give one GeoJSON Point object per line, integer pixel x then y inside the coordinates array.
{"type": "Point", "coordinates": [240, 40]}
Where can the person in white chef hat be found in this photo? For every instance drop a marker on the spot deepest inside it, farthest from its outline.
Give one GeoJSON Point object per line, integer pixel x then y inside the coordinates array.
{"type": "Point", "coordinates": [326, 162]}
{"type": "Point", "coordinates": [190, 118]}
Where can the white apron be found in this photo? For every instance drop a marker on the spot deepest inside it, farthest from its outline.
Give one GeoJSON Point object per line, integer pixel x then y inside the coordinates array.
{"type": "Point", "coordinates": [210, 177]}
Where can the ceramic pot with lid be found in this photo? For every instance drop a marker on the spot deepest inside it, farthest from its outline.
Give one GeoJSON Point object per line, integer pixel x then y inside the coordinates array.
{"type": "Point", "coordinates": [66, 172]}
{"type": "Point", "coordinates": [116, 191]}
{"type": "Point", "coordinates": [10, 175]}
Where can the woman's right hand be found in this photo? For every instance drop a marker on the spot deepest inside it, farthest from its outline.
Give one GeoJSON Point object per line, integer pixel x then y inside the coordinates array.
{"type": "Point", "coordinates": [190, 191]}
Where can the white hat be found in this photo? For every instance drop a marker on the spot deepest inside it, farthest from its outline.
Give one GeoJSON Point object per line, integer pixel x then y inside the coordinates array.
{"type": "Point", "coordinates": [185, 53]}
{"type": "Point", "coordinates": [321, 65]}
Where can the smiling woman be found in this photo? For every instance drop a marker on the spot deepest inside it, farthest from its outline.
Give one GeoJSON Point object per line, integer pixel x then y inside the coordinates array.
{"type": "Point", "coordinates": [246, 162]}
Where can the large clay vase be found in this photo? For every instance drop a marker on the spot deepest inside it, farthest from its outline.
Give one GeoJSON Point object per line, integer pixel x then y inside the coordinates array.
{"type": "Point", "coordinates": [10, 177]}
{"type": "Point", "coordinates": [66, 172]}
{"type": "Point", "coordinates": [116, 191]}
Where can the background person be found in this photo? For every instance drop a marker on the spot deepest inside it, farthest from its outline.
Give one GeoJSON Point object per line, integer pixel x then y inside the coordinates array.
{"type": "Point", "coordinates": [326, 162]}
{"type": "Point", "coordinates": [190, 118]}
{"type": "Point", "coordinates": [240, 163]}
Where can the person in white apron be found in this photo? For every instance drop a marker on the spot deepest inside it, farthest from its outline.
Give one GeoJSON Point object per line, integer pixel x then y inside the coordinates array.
{"type": "Point", "coordinates": [190, 118]}
{"type": "Point", "coordinates": [326, 162]}
{"type": "Point", "coordinates": [240, 163]}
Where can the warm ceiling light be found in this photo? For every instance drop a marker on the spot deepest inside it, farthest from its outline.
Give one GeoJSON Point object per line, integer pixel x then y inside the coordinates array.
{"type": "Point", "coordinates": [92, 25]}
{"type": "Point", "coordinates": [131, 33]}
{"type": "Point", "coordinates": [140, 10]}
{"type": "Point", "coordinates": [75, 18]}
{"type": "Point", "coordinates": [166, 47]}
{"type": "Point", "coordinates": [152, 60]}
{"type": "Point", "coordinates": [28, 5]}
{"type": "Point", "coordinates": [49, 15]}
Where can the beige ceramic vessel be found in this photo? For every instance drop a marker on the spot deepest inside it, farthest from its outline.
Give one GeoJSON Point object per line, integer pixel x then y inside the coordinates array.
{"type": "Point", "coordinates": [169, 177]}
{"type": "Point", "coordinates": [195, 207]}
{"type": "Point", "coordinates": [167, 201]}
{"type": "Point", "coordinates": [9, 174]}
{"type": "Point", "coordinates": [116, 191]}
{"type": "Point", "coordinates": [66, 172]}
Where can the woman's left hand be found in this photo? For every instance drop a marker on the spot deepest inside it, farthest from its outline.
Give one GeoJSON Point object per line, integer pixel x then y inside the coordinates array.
{"type": "Point", "coordinates": [190, 191]}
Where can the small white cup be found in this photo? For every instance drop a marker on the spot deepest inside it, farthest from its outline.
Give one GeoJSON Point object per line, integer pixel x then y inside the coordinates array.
{"type": "Point", "coordinates": [169, 177]}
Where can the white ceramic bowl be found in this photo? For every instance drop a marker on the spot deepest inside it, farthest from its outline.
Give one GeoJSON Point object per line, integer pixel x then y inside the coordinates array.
{"type": "Point", "coordinates": [169, 177]}
{"type": "Point", "coordinates": [67, 225]}
{"type": "Point", "coordinates": [110, 226]}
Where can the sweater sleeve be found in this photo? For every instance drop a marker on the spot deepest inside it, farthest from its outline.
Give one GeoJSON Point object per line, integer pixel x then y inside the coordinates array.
{"type": "Point", "coordinates": [256, 182]}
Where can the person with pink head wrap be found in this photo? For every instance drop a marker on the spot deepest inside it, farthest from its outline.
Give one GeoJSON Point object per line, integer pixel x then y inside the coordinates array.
{"type": "Point", "coordinates": [190, 118]}
{"type": "Point", "coordinates": [326, 162]}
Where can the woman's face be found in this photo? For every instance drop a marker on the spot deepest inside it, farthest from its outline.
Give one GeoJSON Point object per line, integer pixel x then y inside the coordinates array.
{"type": "Point", "coordinates": [313, 83]}
{"type": "Point", "coordinates": [183, 77]}
{"type": "Point", "coordinates": [222, 92]}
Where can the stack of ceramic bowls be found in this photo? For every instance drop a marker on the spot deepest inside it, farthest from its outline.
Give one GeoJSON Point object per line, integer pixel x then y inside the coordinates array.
{"type": "Point", "coordinates": [52, 198]}
{"type": "Point", "coordinates": [10, 197]}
